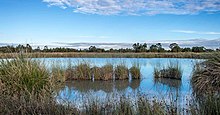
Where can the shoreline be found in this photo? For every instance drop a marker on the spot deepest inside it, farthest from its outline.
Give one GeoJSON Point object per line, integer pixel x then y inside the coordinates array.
{"type": "Point", "coordinates": [110, 55]}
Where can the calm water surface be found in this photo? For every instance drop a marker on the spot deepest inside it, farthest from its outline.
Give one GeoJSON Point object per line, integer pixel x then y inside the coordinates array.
{"type": "Point", "coordinates": [147, 85]}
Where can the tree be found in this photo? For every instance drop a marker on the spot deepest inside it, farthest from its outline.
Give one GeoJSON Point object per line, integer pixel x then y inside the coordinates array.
{"type": "Point", "coordinates": [156, 48]}
{"type": "Point", "coordinates": [175, 47]}
{"type": "Point", "coordinates": [92, 49]}
{"type": "Point", "coordinates": [135, 46]}
{"type": "Point", "coordinates": [139, 47]}
{"type": "Point", "coordinates": [153, 48]}
{"type": "Point", "coordinates": [198, 49]}
{"type": "Point", "coordinates": [28, 48]}
{"type": "Point", "coordinates": [186, 50]}
{"type": "Point", "coordinates": [46, 49]}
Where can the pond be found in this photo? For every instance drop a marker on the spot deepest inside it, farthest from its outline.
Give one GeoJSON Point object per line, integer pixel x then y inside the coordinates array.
{"type": "Point", "coordinates": [74, 91]}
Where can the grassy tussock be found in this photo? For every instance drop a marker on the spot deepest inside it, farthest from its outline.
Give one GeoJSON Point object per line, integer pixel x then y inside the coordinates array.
{"type": "Point", "coordinates": [27, 88]}
{"type": "Point", "coordinates": [121, 72]}
{"type": "Point", "coordinates": [172, 71]}
{"type": "Point", "coordinates": [103, 73]}
{"type": "Point", "coordinates": [206, 86]}
{"type": "Point", "coordinates": [83, 71]}
{"type": "Point", "coordinates": [206, 76]}
{"type": "Point", "coordinates": [23, 75]}
{"type": "Point", "coordinates": [107, 72]}
{"type": "Point", "coordinates": [58, 73]}
{"type": "Point", "coordinates": [135, 71]}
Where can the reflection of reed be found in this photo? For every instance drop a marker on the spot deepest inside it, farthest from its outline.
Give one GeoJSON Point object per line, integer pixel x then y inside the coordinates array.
{"type": "Point", "coordinates": [85, 86]}
{"type": "Point", "coordinates": [121, 85]}
{"type": "Point", "coordinates": [135, 84]}
{"type": "Point", "coordinates": [169, 82]}
{"type": "Point", "coordinates": [107, 86]}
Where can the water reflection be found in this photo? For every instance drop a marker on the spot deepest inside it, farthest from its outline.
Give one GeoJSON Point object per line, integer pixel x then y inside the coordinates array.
{"type": "Point", "coordinates": [106, 86]}
{"type": "Point", "coordinates": [147, 85]}
{"type": "Point", "coordinates": [86, 86]}
{"type": "Point", "coordinates": [172, 83]}
{"type": "Point", "coordinates": [135, 84]}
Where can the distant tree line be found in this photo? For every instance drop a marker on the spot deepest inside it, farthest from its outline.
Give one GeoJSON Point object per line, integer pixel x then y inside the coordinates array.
{"type": "Point", "coordinates": [136, 47]}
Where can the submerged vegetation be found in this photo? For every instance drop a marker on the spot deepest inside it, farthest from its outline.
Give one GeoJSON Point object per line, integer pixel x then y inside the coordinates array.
{"type": "Point", "coordinates": [172, 71]}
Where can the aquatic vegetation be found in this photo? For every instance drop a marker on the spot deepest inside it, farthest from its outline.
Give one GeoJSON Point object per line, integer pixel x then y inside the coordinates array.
{"type": "Point", "coordinates": [206, 76]}
{"type": "Point", "coordinates": [206, 86]}
{"type": "Point", "coordinates": [172, 71]}
{"type": "Point", "coordinates": [121, 72]}
{"type": "Point", "coordinates": [107, 71]}
{"type": "Point", "coordinates": [27, 88]}
{"type": "Point", "coordinates": [97, 73]}
{"type": "Point", "coordinates": [23, 75]}
{"type": "Point", "coordinates": [58, 73]}
{"type": "Point", "coordinates": [135, 71]}
{"type": "Point", "coordinates": [83, 71]}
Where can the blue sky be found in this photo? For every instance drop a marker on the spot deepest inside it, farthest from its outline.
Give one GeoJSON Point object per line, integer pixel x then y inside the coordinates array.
{"type": "Point", "coordinates": [108, 21]}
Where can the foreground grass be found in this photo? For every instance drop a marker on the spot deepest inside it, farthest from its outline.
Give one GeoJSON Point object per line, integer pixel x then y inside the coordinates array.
{"type": "Point", "coordinates": [206, 85]}
{"type": "Point", "coordinates": [111, 55]}
{"type": "Point", "coordinates": [27, 88]}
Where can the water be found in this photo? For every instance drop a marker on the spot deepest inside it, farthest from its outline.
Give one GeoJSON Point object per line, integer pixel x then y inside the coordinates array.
{"type": "Point", "coordinates": [147, 85]}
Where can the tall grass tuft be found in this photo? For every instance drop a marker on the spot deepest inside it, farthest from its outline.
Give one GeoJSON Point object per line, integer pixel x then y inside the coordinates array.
{"type": "Point", "coordinates": [83, 71]}
{"type": "Point", "coordinates": [27, 88]}
{"type": "Point", "coordinates": [103, 73]}
{"type": "Point", "coordinates": [107, 71]}
{"type": "Point", "coordinates": [121, 72]}
{"type": "Point", "coordinates": [58, 73]}
{"type": "Point", "coordinates": [172, 71]}
{"type": "Point", "coordinates": [24, 75]}
{"type": "Point", "coordinates": [97, 73]}
{"type": "Point", "coordinates": [206, 86]}
{"type": "Point", "coordinates": [135, 71]}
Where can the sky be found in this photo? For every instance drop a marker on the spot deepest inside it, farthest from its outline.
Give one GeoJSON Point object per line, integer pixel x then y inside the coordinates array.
{"type": "Point", "coordinates": [103, 22]}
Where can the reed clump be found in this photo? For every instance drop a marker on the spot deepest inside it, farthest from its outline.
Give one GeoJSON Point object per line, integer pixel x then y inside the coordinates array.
{"type": "Point", "coordinates": [103, 73]}
{"type": "Point", "coordinates": [206, 86]}
{"type": "Point", "coordinates": [97, 73]}
{"type": "Point", "coordinates": [206, 76]}
{"type": "Point", "coordinates": [27, 88]}
{"type": "Point", "coordinates": [121, 72]}
{"type": "Point", "coordinates": [83, 71]}
{"type": "Point", "coordinates": [172, 71]}
{"type": "Point", "coordinates": [135, 71]}
{"type": "Point", "coordinates": [58, 73]}
{"type": "Point", "coordinates": [23, 75]}
{"type": "Point", "coordinates": [107, 71]}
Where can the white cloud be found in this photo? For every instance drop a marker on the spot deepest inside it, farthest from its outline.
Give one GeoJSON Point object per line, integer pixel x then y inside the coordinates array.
{"type": "Point", "coordinates": [195, 32]}
{"type": "Point", "coordinates": [138, 7]}
{"type": "Point", "coordinates": [208, 43]}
